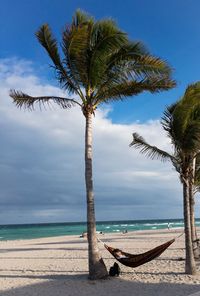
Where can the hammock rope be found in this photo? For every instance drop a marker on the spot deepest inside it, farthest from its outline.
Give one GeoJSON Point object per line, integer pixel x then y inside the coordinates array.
{"type": "Point", "coordinates": [132, 260]}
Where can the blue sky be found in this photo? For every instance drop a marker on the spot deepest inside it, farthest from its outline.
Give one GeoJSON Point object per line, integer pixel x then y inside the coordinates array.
{"type": "Point", "coordinates": [42, 153]}
{"type": "Point", "coordinates": [170, 29]}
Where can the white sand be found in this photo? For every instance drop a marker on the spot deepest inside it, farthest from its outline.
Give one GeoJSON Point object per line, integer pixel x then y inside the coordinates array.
{"type": "Point", "coordinates": [58, 267]}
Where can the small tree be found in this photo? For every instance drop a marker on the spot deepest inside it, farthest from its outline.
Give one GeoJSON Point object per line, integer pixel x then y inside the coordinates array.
{"type": "Point", "coordinates": [181, 121]}
{"type": "Point", "coordinates": [99, 64]}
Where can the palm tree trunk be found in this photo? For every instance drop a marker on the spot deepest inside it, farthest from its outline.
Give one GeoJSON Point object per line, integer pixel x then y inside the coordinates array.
{"type": "Point", "coordinates": [192, 215]}
{"type": "Point", "coordinates": [197, 241]}
{"type": "Point", "coordinates": [190, 265]}
{"type": "Point", "coordinates": [193, 227]}
{"type": "Point", "coordinates": [97, 268]}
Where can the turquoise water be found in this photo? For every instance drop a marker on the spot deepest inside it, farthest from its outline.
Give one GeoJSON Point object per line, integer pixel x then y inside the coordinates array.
{"type": "Point", "coordinates": [28, 231]}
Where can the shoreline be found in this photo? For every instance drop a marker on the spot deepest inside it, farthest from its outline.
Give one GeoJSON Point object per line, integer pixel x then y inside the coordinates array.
{"type": "Point", "coordinates": [58, 266]}
{"type": "Point", "coordinates": [175, 230]}
{"type": "Point", "coordinates": [145, 231]}
{"type": "Point", "coordinates": [172, 229]}
{"type": "Point", "coordinates": [30, 231]}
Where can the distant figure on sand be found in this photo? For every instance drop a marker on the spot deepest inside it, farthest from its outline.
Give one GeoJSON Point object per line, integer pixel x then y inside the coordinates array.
{"type": "Point", "coordinates": [125, 231]}
{"type": "Point", "coordinates": [168, 226]}
{"type": "Point", "coordinates": [84, 234]}
{"type": "Point", "coordinates": [100, 232]}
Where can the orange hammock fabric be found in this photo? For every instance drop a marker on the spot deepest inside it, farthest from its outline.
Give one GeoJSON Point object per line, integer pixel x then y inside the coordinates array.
{"type": "Point", "coordinates": [137, 260]}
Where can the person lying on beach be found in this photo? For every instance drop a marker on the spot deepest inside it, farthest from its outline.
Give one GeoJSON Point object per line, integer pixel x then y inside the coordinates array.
{"type": "Point", "coordinates": [84, 234]}
{"type": "Point", "coordinates": [118, 254]}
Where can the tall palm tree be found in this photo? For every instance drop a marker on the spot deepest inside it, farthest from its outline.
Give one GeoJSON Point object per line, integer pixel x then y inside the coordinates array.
{"type": "Point", "coordinates": [181, 121]}
{"type": "Point", "coordinates": [98, 64]}
{"type": "Point", "coordinates": [191, 119]}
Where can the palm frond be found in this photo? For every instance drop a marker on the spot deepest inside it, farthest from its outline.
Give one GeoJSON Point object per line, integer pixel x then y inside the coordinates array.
{"type": "Point", "coordinates": [147, 66]}
{"type": "Point", "coordinates": [131, 62]}
{"type": "Point", "coordinates": [76, 50]}
{"type": "Point", "coordinates": [139, 64]}
{"type": "Point", "coordinates": [46, 39]}
{"type": "Point", "coordinates": [188, 108]}
{"type": "Point", "coordinates": [119, 91]}
{"type": "Point", "coordinates": [182, 121]}
{"type": "Point", "coordinates": [167, 121]}
{"type": "Point", "coordinates": [192, 94]}
{"type": "Point", "coordinates": [22, 100]}
{"type": "Point", "coordinates": [106, 39]}
{"type": "Point", "coordinates": [151, 152]}
{"type": "Point", "coordinates": [75, 46]}
{"type": "Point", "coordinates": [81, 17]}
{"type": "Point", "coordinates": [44, 36]}
{"type": "Point", "coordinates": [191, 137]}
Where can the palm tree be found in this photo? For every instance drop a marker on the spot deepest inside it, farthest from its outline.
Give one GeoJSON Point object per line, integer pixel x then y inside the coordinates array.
{"type": "Point", "coordinates": [98, 65]}
{"type": "Point", "coordinates": [181, 121]}
{"type": "Point", "coordinates": [191, 100]}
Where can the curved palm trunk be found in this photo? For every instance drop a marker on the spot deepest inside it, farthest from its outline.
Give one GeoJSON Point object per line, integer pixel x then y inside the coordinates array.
{"type": "Point", "coordinates": [97, 268]}
{"type": "Point", "coordinates": [195, 244]}
{"type": "Point", "coordinates": [190, 266]}
{"type": "Point", "coordinates": [193, 228]}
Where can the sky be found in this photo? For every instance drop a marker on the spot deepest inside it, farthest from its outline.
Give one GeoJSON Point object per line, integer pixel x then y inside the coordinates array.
{"type": "Point", "coordinates": [42, 153]}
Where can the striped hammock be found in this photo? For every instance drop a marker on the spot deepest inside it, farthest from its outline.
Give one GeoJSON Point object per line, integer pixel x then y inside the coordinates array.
{"type": "Point", "coordinates": [137, 260]}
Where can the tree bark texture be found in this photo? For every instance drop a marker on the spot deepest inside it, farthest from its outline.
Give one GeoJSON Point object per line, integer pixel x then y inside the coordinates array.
{"type": "Point", "coordinates": [195, 244]}
{"type": "Point", "coordinates": [97, 268]}
{"type": "Point", "coordinates": [190, 265]}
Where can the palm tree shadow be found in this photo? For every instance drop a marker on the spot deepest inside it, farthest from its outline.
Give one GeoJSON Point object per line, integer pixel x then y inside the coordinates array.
{"type": "Point", "coordinates": [61, 275]}
{"type": "Point", "coordinates": [79, 285]}
{"type": "Point", "coordinates": [39, 249]}
{"type": "Point", "coordinates": [49, 258]}
{"type": "Point", "coordinates": [151, 273]}
{"type": "Point", "coordinates": [61, 242]}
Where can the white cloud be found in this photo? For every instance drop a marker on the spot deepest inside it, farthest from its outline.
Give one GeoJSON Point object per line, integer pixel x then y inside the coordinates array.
{"type": "Point", "coordinates": [42, 161]}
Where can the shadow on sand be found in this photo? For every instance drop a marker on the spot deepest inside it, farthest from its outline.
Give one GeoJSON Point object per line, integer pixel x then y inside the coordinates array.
{"type": "Point", "coordinates": [62, 242]}
{"type": "Point", "coordinates": [38, 249]}
{"type": "Point", "coordinates": [45, 282]}
{"type": "Point", "coordinates": [79, 285]}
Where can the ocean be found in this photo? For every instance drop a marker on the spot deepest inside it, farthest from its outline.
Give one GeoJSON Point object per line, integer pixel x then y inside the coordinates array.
{"type": "Point", "coordinates": [29, 231]}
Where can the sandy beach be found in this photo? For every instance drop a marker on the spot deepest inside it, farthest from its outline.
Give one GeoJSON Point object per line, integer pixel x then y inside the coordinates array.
{"type": "Point", "coordinates": [58, 266]}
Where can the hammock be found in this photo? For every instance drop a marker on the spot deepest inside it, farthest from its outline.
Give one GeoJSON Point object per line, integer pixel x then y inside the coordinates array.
{"type": "Point", "coordinates": [137, 260]}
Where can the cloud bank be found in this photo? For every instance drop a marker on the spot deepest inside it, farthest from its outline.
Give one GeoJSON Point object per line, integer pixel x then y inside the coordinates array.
{"type": "Point", "coordinates": [42, 161]}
